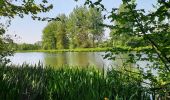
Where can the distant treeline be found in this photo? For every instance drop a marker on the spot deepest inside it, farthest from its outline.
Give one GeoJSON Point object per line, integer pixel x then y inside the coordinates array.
{"type": "Point", "coordinates": [80, 29]}
{"type": "Point", "coordinates": [25, 46]}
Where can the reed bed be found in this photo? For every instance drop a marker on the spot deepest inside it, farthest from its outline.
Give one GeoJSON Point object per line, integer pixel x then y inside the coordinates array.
{"type": "Point", "coordinates": [28, 82]}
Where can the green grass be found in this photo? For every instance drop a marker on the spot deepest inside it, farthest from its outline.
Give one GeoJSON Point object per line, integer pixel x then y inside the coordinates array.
{"type": "Point", "coordinates": [69, 50]}
{"type": "Point", "coordinates": [121, 48]}
{"type": "Point", "coordinates": [29, 82]}
{"type": "Point", "coordinates": [128, 48]}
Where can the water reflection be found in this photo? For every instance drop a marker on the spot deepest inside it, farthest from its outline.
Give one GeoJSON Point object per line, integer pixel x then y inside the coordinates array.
{"type": "Point", "coordinates": [82, 59]}
{"type": "Point", "coordinates": [29, 58]}
{"type": "Point", "coordinates": [77, 59]}
{"type": "Point", "coordinates": [66, 58]}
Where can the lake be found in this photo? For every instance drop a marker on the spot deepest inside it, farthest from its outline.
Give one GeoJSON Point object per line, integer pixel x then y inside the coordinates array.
{"type": "Point", "coordinates": [65, 58]}
{"type": "Point", "coordinates": [82, 59]}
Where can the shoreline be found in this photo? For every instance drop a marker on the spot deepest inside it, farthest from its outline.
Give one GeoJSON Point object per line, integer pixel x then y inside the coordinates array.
{"type": "Point", "coordinates": [120, 48]}
{"type": "Point", "coordinates": [69, 50]}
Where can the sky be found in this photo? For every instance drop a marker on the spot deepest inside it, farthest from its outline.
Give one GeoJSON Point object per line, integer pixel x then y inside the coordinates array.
{"type": "Point", "coordinates": [30, 31]}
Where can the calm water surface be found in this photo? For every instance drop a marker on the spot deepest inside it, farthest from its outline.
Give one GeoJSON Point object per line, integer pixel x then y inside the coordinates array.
{"type": "Point", "coordinates": [65, 58]}
{"type": "Point", "coordinates": [82, 59]}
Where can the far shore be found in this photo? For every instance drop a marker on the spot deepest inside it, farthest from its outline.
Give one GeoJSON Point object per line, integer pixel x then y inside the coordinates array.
{"type": "Point", "coordinates": [69, 50]}
{"type": "Point", "coordinates": [89, 49]}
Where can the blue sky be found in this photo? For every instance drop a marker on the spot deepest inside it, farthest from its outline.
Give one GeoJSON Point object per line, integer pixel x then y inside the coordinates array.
{"type": "Point", "coordinates": [30, 31]}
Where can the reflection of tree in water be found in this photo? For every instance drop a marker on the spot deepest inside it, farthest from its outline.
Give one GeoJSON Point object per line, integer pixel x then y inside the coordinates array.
{"type": "Point", "coordinates": [121, 61]}
{"type": "Point", "coordinates": [58, 59]}
{"type": "Point", "coordinates": [95, 59]}
{"type": "Point", "coordinates": [85, 59]}
{"type": "Point", "coordinates": [82, 59]}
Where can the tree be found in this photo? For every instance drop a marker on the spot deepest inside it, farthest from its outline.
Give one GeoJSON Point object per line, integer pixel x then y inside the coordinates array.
{"type": "Point", "coordinates": [71, 30]}
{"type": "Point", "coordinates": [84, 24]}
{"type": "Point", "coordinates": [120, 38]}
{"type": "Point", "coordinates": [26, 46]}
{"type": "Point", "coordinates": [49, 39]}
{"type": "Point", "coordinates": [81, 15]}
{"type": "Point", "coordinates": [153, 28]}
{"type": "Point", "coordinates": [61, 33]}
{"type": "Point", "coordinates": [55, 35]}
{"type": "Point", "coordinates": [80, 29]}
{"type": "Point", "coordinates": [96, 28]}
{"type": "Point", "coordinates": [10, 9]}
{"type": "Point", "coordinates": [5, 50]}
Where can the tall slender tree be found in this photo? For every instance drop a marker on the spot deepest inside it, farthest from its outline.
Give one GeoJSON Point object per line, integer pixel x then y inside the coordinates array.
{"type": "Point", "coordinates": [48, 38]}
{"type": "Point", "coordinates": [61, 33]}
{"type": "Point", "coordinates": [82, 23]}
{"type": "Point", "coordinates": [96, 28]}
{"type": "Point", "coordinates": [119, 37]}
{"type": "Point", "coordinates": [71, 30]}
{"type": "Point", "coordinates": [81, 29]}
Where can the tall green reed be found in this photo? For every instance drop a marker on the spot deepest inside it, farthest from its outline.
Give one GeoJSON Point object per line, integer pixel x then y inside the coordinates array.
{"type": "Point", "coordinates": [28, 82]}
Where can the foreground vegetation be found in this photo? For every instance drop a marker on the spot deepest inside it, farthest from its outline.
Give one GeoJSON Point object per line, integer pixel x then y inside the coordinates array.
{"type": "Point", "coordinates": [29, 82]}
{"type": "Point", "coordinates": [142, 27]}
{"type": "Point", "coordinates": [68, 83]}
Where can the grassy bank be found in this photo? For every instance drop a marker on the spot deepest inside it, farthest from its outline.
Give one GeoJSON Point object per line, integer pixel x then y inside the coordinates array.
{"type": "Point", "coordinates": [121, 48]}
{"type": "Point", "coordinates": [69, 50]}
{"type": "Point", "coordinates": [67, 83]}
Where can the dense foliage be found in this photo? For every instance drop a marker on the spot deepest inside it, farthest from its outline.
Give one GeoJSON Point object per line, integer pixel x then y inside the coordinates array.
{"type": "Point", "coordinates": [67, 83]}
{"type": "Point", "coordinates": [25, 46]}
{"type": "Point", "coordinates": [121, 38]}
{"type": "Point", "coordinates": [152, 28]}
{"type": "Point", "coordinates": [10, 9]}
{"type": "Point", "coordinates": [81, 29]}
{"type": "Point", "coordinates": [5, 49]}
